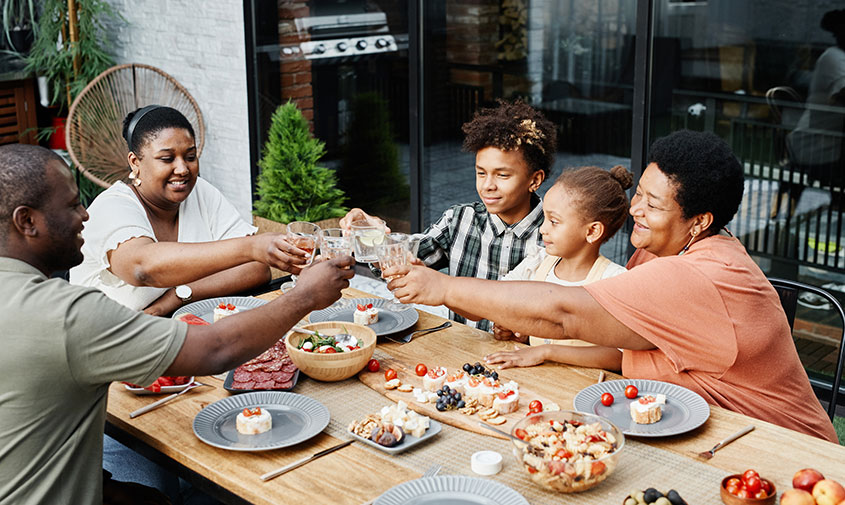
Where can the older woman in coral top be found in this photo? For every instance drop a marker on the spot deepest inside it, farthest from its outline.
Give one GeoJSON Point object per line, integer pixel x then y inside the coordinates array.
{"type": "Point", "coordinates": [693, 309]}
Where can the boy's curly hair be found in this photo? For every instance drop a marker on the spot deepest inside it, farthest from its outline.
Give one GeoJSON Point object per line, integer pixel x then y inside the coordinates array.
{"type": "Point", "coordinates": [512, 126]}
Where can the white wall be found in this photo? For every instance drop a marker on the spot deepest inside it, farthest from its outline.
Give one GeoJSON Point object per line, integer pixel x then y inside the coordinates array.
{"type": "Point", "coordinates": [201, 44]}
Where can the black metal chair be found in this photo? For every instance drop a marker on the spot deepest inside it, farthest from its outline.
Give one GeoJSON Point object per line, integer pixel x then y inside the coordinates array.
{"type": "Point", "coordinates": [788, 292]}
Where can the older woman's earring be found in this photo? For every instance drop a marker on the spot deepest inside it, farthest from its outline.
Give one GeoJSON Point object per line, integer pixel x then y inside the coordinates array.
{"type": "Point", "coordinates": [686, 247]}
{"type": "Point", "coordinates": [133, 176]}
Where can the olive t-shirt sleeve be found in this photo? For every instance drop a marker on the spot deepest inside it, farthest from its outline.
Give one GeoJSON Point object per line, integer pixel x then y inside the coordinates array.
{"type": "Point", "coordinates": [106, 341]}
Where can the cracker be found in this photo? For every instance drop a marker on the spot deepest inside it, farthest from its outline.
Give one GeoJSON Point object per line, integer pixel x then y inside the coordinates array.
{"type": "Point", "coordinates": [392, 384]}
{"type": "Point", "coordinates": [496, 420]}
{"type": "Point", "coordinates": [405, 388]}
{"type": "Point", "coordinates": [468, 410]}
{"type": "Point", "coordinates": [551, 407]}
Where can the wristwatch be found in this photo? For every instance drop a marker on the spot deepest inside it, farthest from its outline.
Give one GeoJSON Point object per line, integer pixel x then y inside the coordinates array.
{"type": "Point", "coordinates": [184, 293]}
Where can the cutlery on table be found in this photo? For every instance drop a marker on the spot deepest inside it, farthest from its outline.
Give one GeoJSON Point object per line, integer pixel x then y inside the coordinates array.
{"type": "Point", "coordinates": [407, 338]}
{"type": "Point", "coordinates": [531, 448]}
{"type": "Point", "coordinates": [601, 377]}
{"type": "Point", "coordinates": [709, 454]}
{"type": "Point", "coordinates": [159, 403]}
{"type": "Point", "coordinates": [285, 469]}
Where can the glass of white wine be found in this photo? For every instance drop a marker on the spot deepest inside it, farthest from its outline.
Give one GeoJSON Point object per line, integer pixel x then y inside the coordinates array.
{"type": "Point", "coordinates": [334, 243]}
{"type": "Point", "coordinates": [393, 251]}
{"type": "Point", "coordinates": [305, 236]}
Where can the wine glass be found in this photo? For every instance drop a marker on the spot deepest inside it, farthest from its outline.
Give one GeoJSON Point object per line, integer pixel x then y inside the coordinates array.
{"type": "Point", "coordinates": [336, 242]}
{"type": "Point", "coordinates": [394, 251]}
{"type": "Point", "coordinates": [305, 236]}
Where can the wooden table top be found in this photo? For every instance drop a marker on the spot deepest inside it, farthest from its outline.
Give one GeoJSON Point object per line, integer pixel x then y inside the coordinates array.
{"type": "Point", "coordinates": [775, 452]}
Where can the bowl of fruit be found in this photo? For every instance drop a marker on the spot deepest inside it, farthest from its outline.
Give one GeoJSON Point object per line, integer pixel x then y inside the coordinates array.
{"type": "Point", "coordinates": [747, 488]}
{"type": "Point", "coordinates": [567, 451]}
{"type": "Point", "coordinates": [332, 350]}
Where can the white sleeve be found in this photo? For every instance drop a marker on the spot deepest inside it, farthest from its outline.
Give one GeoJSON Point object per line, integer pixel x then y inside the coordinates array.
{"type": "Point", "coordinates": [221, 217]}
{"type": "Point", "coordinates": [612, 270]}
{"type": "Point", "coordinates": [526, 268]}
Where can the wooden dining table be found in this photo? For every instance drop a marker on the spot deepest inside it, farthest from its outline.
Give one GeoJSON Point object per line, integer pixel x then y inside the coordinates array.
{"type": "Point", "coordinates": [358, 474]}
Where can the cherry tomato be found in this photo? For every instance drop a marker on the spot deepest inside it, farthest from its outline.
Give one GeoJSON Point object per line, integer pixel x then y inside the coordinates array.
{"type": "Point", "coordinates": [753, 484]}
{"type": "Point", "coordinates": [535, 406]}
{"type": "Point", "coordinates": [743, 493]}
{"type": "Point", "coordinates": [748, 474]}
{"type": "Point", "coordinates": [520, 433]}
{"type": "Point", "coordinates": [389, 374]}
{"type": "Point", "coordinates": [330, 350]}
{"type": "Point", "coordinates": [421, 369]}
{"type": "Point", "coordinates": [563, 454]}
{"type": "Point", "coordinates": [761, 494]}
{"type": "Point", "coordinates": [767, 486]}
{"type": "Point", "coordinates": [734, 487]}
{"type": "Point", "coordinates": [733, 481]}
{"type": "Point", "coordinates": [631, 392]}
{"type": "Point", "coordinates": [531, 469]}
{"type": "Point", "coordinates": [598, 468]}
{"type": "Point", "coordinates": [607, 399]}
{"type": "Point", "coordinates": [373, 365]}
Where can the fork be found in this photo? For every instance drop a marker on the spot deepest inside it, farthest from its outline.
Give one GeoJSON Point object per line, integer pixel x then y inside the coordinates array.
{"type": "Point", "coordinates": [407, 338]}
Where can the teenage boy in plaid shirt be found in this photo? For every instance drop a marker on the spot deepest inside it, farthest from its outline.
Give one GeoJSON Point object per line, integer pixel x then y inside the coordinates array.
{"type": "Point", "coordinates": [514, 148]}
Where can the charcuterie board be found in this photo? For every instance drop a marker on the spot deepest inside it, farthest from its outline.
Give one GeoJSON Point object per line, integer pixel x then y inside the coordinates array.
{"type": "Point", "coordinates": [455, 417]}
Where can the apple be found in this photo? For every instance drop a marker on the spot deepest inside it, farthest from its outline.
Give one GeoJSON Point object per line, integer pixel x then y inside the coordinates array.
{"type": "Point", "coordinates": [828, 492]}
{"type": "Point", "coordinates": [805, 479]}
{"type": "Point", "coordinates": [796, 497]}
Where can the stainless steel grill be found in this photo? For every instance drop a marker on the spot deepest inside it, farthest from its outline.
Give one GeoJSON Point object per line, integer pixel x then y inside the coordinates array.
{"type": "Point", "coordinates": [344, 37]}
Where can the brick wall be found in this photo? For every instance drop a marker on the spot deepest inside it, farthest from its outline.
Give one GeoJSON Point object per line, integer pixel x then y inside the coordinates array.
{"type": "Point", "coordinates": [295, 70]}
{"type": "Point", "coordinates": [201, 44]}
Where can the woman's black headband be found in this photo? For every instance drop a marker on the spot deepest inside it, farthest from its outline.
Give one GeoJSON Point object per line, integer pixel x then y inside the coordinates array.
{"type": "Point", "coordinates": [130, 130]}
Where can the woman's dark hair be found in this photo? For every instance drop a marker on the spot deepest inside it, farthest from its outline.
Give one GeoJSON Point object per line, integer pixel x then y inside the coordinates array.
{"type": "Point", "coordinates": [154, 120]}
{"type": "Point", "coordinates": [834, 22]}
{"type": "Point", "coordinates": [706, 174]}
{"type": "Point", "coordinates": [599, 195]}
{"type": "Point", "coordinates": [512, 126]}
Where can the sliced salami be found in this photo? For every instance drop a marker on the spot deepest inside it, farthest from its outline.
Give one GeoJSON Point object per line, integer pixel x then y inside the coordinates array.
{"type": "Point", "coordinates": [241, 375]}
{"type": "Point", "coordinates": [272, 366]}
{"type": "Point", "coordinates": [264, 385]}
{"type": "Point", "coordinates": [284, 385]}
{"type": "Point", "coordinates": [281, 376]}
{"type": "Point", "coordinates": [261, 376]}
{"type": "Point", "coordinates": [252, 367]}
{"type": "Point", "coordinates": [264, 356]}
{"type": "Point", "coordinates": [243, 385]}
{"type": "Point", "coordinates": [290, 367]}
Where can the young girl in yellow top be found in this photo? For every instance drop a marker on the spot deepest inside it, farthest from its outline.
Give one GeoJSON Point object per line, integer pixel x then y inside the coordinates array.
{"type": "Point", "coordinates": [584, 209]}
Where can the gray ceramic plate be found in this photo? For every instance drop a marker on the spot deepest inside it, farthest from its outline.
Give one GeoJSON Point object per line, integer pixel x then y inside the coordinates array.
{"type": "Point", "coordinates": [684, 410]}
{"type": "Point", "coordinates": [296, 418]}
{"type": "Point", "coordinates": [410, 440]}
{"type": "Point", "coordinates": [451, 490]}
{"type": "Point", "coordinates": [205, 308]}
{"type": "Point", "coordinates": [388, 320]}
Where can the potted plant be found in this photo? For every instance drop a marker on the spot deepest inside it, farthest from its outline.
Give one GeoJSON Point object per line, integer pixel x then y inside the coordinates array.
{"type": "Point", "coordinates": [291, 185]}
{"type": "Point", "coordinates": [18, 24]}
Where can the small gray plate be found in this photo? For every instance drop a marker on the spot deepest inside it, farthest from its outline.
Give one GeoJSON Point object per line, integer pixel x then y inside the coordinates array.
{"type": "Point", "coordinates": [410, 440]}
{"type": "Point", "coordinates": [296, 418]}
{"type": "Point", "coordinates": [205, 308]}
{"type": "Point", "coordinates": [388, 320]}
{"type": "Point", "coordinates": [451, 490]}
{"type": "Point", "coordinates": [684, 410]}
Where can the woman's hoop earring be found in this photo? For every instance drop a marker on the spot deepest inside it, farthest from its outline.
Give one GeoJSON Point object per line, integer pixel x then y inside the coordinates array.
{"type": "Point", "coordinates": [133, 176]}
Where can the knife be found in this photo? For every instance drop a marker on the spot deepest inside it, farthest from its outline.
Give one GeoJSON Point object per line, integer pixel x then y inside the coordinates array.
{"type": "Point", "coordinates": [285, 469]}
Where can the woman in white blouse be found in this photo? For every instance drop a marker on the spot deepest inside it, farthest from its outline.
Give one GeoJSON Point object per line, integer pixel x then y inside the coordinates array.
{"type": "Point", "coordinates": [170, 237]}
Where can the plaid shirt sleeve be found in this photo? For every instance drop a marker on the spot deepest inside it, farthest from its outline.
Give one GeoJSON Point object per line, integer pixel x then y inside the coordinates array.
{"type": "Point", "coordinates": [437, 240]}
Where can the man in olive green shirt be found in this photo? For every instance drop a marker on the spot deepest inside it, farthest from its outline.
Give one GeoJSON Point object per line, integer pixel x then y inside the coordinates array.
{"type": "Point", "coordinates": [61, 345]}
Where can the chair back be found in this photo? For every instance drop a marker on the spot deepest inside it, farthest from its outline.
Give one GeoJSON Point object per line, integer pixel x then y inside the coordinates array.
{"type": "Point", "coordinates": [94, 128]}
{"type": "Point", "coordinates": [788, 291]}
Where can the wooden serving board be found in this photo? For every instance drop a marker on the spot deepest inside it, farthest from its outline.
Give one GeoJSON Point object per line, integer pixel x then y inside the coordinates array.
{"type": "Point", "coordinates": [406, 374]}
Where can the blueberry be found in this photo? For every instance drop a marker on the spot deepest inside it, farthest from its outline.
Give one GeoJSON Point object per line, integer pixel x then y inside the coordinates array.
{"type": "Point", "coordinates": [445, 389]}
{"type": "Point", "coordinates": [458, 396]}
{"type": "Point", "coordinates": [461, 404]}
{"type": "Point", "coordinates": [477, 364]}
{"type": "Point", "coordinates": [439, 392]}
{"type": "Point", "coordinates": [495, 375]}
{"type": "Point", "coordinates": [467, 367]}
{"type": "Point", "coordinates": [441, 407]}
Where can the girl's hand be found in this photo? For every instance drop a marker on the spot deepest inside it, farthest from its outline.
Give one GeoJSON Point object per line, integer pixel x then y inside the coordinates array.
{"type": "Point", "coordinates": [500, 333]}
{"type": "Point", "coordinates": [273, 249]}
{"type": "Point", "coordinates": [519, 357]}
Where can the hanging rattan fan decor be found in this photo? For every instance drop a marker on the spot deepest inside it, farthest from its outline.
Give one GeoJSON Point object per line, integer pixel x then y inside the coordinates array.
{"type": "Point", "coordinates": [95, 122]}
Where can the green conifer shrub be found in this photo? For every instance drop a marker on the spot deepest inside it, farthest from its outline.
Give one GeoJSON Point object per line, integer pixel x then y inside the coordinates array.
{"type": "Point", "coordinates": [291, 186]}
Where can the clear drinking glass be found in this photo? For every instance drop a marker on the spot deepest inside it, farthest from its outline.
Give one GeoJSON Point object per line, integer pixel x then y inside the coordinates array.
{"type": "Point", "coordinates": [367, 234]}
{"type": "Point", "coordinates": [305, 236]}
{"type": "Point", "coordinates": [394, 251]}
{"type": "Point", "coordinates": [336, 242]}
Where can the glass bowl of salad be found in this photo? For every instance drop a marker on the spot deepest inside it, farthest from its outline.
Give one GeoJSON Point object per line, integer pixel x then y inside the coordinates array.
{"type": "Point", "coordinates": [567, 451]}
{"type": "Point", "coordinates": [337, 351]}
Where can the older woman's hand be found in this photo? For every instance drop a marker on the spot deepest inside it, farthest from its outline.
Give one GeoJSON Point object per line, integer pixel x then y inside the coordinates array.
{"type": "Point", "coordinates": [273, 249]}
{"type": "Point", "coordinates": [416, 284]}
{"type": "Point", "coordinates": [500, 333]}
{"type": "Point", "coordinates": [525, 356]}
